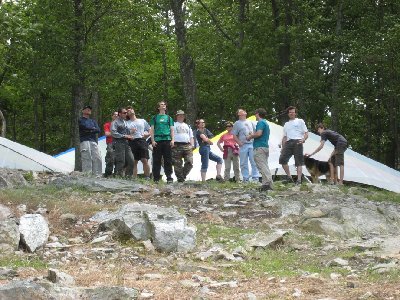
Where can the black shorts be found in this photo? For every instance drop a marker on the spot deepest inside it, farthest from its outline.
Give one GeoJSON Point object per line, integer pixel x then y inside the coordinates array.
{"type": "Point", "coordinates": [292, 147]}
{"type": "Point", "coordinates": [139, 149]}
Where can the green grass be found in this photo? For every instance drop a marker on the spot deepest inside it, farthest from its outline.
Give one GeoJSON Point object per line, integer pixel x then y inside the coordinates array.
{"type": "Point", "coordinates": [15, 262]}
{"type": "Point", "coordinates": [230, 237]}
{"type": "Point", "coordinates": [372, 193]}
{"type": "Point", "coordinates": [64, 200]}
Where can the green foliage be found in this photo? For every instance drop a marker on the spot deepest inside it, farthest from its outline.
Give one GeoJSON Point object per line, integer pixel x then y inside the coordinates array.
{"type": "Point", "coordinates": [15, 262]}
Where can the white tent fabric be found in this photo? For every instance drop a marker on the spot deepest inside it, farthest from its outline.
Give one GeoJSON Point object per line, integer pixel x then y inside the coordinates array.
{"type": "Point", "coordinates": [358, 168]}
{"type": "Point", "coordinates": [16, 156]}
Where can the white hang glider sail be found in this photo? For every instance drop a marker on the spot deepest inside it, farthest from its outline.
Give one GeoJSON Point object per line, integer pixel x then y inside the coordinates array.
{"type": "Point", "coordinates": [17, 156]}
{"type": "Point", "coordinates": [358, 168]}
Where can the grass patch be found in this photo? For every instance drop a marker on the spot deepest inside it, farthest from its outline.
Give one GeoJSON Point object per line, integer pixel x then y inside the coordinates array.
{"type": "Point", "coordinates": [372, 193]}
{"type": "Point", "coordinates": [15, 262]}
{"type": "Point", "coordinates": [67, 200]}
{"type": "Point", "coordinates": [230, 237]}
{"type": "Point", "coordinates": [392, 276]}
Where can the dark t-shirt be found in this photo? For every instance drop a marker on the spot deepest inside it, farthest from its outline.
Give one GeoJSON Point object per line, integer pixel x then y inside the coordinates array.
{"type": "Point", "coordinates": [332, 136]}
{"type": "Point", "coordinates": [207, 133]}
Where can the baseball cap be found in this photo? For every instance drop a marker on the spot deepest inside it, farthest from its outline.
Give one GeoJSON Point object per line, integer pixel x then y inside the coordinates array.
{"type": "Point", "coordinates": [180, 112]}
{"type": "Point", "coordinates": [86, 106]}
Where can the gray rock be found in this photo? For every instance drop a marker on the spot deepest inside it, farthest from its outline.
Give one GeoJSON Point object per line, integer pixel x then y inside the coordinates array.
{"type": "Point", "coordinates": [34, 231]}
{"type": "Point", "coordinates": [338, 262]}
{"type": "Point", "coordinates": [385, 268]}
{"type": "Point", "coordinates": [22, 290]}
{"type": "Point", "coordinates": [99, 184]}
{"type": "Point", "coordinates": [325, 226]}
{"type": "Point", "coordinates": [56, 276]}
{"type": "Point", "coordinates": [5, 213]}
{"type": "Point", "coordinates": [110, 293]}
{"type": "Point", "coordinates": [11, 178]}
{"type": "Point", "coordinates": [264, 241]}
{"type": "Point", "coordinates": [202, 194]}
{"type": "Point", "coordinates": [9, 236]}
{"type": "Point", "coordinates": [165, 227]}
{"type": "Point", "coordinates": [69, 218]}
{"type": "Point", "coordinates": [6, 273]}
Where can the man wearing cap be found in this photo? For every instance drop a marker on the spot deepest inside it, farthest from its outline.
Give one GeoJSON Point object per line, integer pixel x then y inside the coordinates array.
{"type": "Point", "coordinates": [183, 147]}
{"type": "Point", "coordinates": [90, 155]}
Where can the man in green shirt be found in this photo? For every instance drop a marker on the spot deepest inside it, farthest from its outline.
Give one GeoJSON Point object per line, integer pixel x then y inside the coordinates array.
{"type": "Point", "coordinates": [261, 148]}
{"type": "Point", "coordinates": [162, 140]}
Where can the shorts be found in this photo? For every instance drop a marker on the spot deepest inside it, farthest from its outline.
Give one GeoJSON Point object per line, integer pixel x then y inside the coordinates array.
{"type": "Point", "coordinates": [292, 147]}
{"type": "Point", "coordinates": [139, 149]}
{"type": "Point", "coordinates": [339, 154]}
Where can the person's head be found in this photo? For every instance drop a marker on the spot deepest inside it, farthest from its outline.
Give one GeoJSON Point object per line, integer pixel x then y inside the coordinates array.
{"type": "Point", "coordinates": [114, 115]}
{"type": "Point", "coordinates": [321, 128]}
{"type": "Point", "coordinates": [292, 112]}
{"type": "Point", "coordinates": [241, 113]}
{"type": "Point", "coordinates": [229, 126]}
{"type": "Point", "coordinates": [180, 116]}
{"type": "Point", "coordinates": [122, 112]}
{"type": "Point", "coordinates": [86, 111]}
{"type": "Point", "coordinates": [129, 111]}
{"type": "Point", "coordinates": [260, 113]}
{"type": "Point", "coordinates": [200, 123]}
{"type": "Point", "coordinates": [162, 106]}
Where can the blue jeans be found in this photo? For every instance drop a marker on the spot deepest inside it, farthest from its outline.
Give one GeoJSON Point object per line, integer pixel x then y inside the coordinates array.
{"type": "Point", "coordinates": [206, 155]}
{"type": "Point", "coordinates": [246, 154]}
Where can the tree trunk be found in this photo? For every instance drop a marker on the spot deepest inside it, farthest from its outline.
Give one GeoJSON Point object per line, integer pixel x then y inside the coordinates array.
{"type": "Point", "coordinates": [3, 124]}
{"type": "Point", "coordinates": [36, 122]}
{"type": "Point", "coordinates": [44, 125]}
{"type": "Point", "coordinates": [284, 51]}
{"type": "Point", "coordinates": [337, 65]}
{"type": "Point", "coordinates": [187, 64]}
{"type": "Point", "coordinates": [78, 86]}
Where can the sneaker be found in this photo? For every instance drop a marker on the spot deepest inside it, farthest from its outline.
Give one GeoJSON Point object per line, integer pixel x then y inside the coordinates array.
{"type": "Point", "coordinates": [170, 180]}
{"type": "Point", "coordinates": [298, 182]}
{"type": "Point", "coordinates": [181, 180]}
{"type": "Point", "coordinates": [147, 178]}
{"type": "Point", "coordinates": [219, 178]}
{"type": "Point", "coordinates": [288, 180]}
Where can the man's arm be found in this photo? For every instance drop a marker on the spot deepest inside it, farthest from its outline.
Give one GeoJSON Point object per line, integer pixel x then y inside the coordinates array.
{"type": "Point", "coordinates": [171, 128]}
{"type": "Point", "coordinates": [253, 135]}
{"type": "Point", "coordinates": [321, 145]}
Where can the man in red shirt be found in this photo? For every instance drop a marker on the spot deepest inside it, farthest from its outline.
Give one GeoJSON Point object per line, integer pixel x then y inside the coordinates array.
{"type": "Point", "coordinates": [110, 148]}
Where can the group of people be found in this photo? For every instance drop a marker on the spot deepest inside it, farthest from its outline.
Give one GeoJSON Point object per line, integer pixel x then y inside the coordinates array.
{"type": "Point", "coordinates": [172, 142]}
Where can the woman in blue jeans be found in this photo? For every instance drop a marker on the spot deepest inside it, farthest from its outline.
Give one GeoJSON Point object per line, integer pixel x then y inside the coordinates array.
{"type": "Point", "coordinates": [203, 136]}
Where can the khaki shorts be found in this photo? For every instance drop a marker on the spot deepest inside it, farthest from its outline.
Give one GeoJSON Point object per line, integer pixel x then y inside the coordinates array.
{"type": "Point", "coordinates": [339, 154]}
{"type": "Point", "coordinates": [292, 147]}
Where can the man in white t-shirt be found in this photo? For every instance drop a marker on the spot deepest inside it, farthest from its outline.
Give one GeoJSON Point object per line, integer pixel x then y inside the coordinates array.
{"type": "Point", "coordinates": [183, 147]}
{"type": "Point", "coordinates": [295, 133]}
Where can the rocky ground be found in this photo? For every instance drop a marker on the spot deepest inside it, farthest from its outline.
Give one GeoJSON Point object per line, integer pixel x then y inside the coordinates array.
{"type": "Point", "coordinates": [117, 239]}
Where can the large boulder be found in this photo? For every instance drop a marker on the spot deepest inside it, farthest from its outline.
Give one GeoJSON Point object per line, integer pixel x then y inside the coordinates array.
{"type": "Point", "coordinates": [9, 236]}
{"type": "Point", "coordinates": [99, 184]}
{"type": "Point", "coordinates": [34, 231]}
{"type": "Point", "coordinates": [5, 212]}
{"type": "Point", "coordinates": [22, 290]}
{"type": "Point", "coordinates": [11, 178]}
{"type": "Point", "coordinates": [165, 227]}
